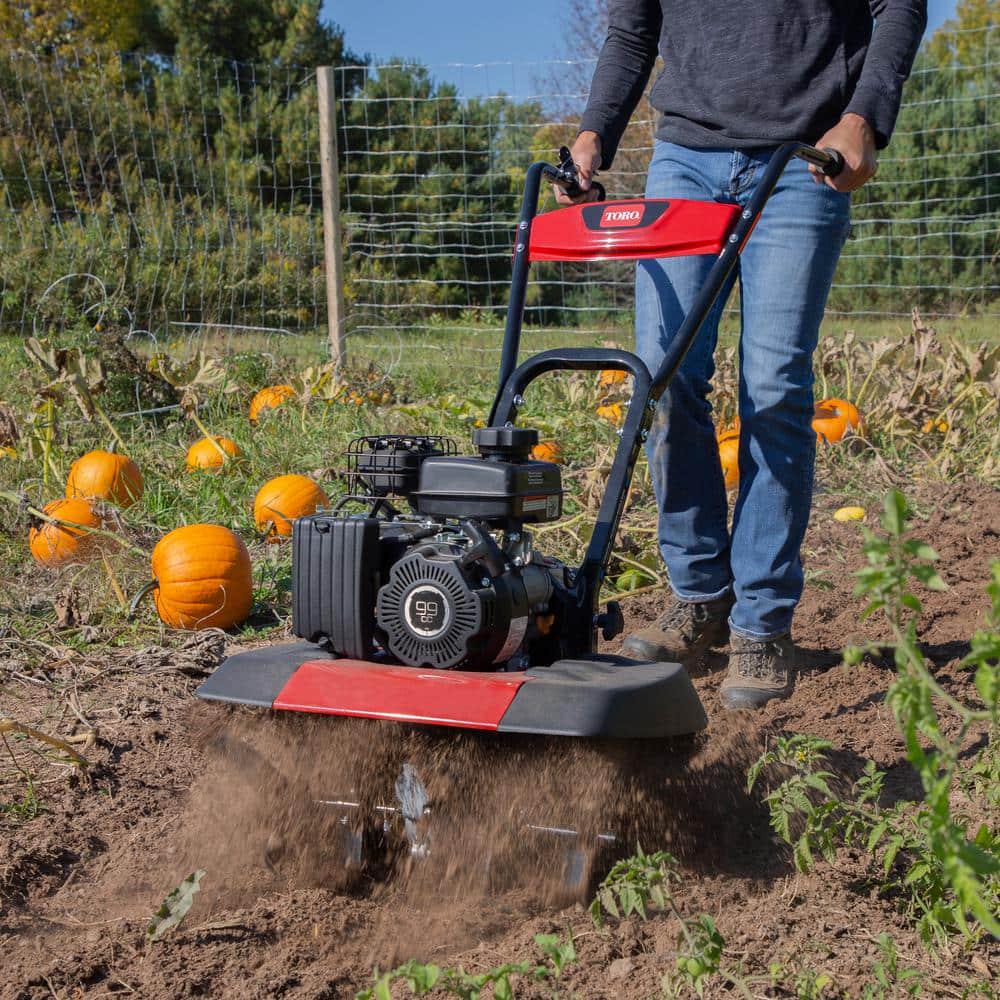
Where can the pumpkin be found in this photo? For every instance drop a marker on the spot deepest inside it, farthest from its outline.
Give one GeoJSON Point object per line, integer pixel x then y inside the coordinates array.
{"type": "Point", "coordinates": [105, 475]}
{"type": "Point", "coordinates": [204, 455]}
{"type": "Point", "coordinates": [609, 378]}
{"type": "Point", "coordinates": [546, 451]}
{"type": "Point", "coordinates": [829, 425]}
{"type": "Point", "coordinates": [270, 398]}
{"type": "Point", "coordinates": [283, 499]}
{"type": "Point", "coordinates": [844, 409]}
{"type": "Point", "coordinates": [729, 456]}
{"type": "Point", "coordinates": [612, 412]}
{"type": "Point", "coordinates": [202, 578]}
{"type": "Point", "coordinates": [733, 427]}
{"type": "Point", "coordinates": [54, 544]}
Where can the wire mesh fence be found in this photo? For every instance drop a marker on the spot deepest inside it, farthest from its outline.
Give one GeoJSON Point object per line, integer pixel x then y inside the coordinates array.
{"type": "Point", "coordinates": [183, 199]}
{"type": "Point", "coordinates": [164, 197]}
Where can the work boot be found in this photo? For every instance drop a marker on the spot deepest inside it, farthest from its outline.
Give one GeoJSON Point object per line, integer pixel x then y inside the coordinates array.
{"type": "Point", "coordinates": [684, 632]}
{"type": "Point", "coordinates": [759, 670]}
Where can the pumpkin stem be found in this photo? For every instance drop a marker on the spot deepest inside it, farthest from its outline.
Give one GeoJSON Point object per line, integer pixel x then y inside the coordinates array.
{"type": "Point", "coordinates": [134, 603]}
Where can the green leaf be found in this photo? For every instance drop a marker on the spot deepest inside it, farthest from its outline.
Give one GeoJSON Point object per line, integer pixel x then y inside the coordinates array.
{"type": "Point", "coordinates": [892, 849]}
{"type": "Point", "coordinates": [929, 577]}
{"type": "Point", "coordinates": [988, 683]}
{"type": "Point", "coordinates": [174, 908]}
{"type": "Point", "coordinates": [802, 855]}
{"type": "Point", "coordinates": [876, 835]}
{"type": "Point", "coordinates": [920, 550]}
{"type": "Point", "coordinates": [894, 518]}
{"type": "Point", "coordinates": [817, 781]}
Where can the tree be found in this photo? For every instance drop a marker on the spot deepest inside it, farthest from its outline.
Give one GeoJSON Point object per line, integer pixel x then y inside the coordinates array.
{"type": "Point", "coordinates": [121, 25]}
{"type": "Point", "coordinates": [271, 32]}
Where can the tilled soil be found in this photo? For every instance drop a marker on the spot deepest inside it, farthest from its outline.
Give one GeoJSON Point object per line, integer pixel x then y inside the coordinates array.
{"type": "Point", "coordinates": [176, 785]}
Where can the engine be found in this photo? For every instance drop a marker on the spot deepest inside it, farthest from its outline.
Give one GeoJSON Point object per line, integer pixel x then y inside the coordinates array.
{"type": "Point", "coordinates": [454, 581]}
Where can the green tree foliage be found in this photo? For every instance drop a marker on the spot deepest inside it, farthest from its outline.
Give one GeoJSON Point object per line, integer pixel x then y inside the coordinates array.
{"type": "Point", "coordinates": [269, 32]}
{"type": "Point", "coordinates": [272, 32]}
{"type": "Point", "coordinates": [121, 25]}
{"type": "Point", "coordinates": [928, 231]}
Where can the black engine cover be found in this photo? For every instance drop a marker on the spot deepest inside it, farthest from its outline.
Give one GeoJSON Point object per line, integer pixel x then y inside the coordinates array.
{"type": "Point", "coordinates": [492, 491]}
{"type": "Point", "coordinates": [436, 613]}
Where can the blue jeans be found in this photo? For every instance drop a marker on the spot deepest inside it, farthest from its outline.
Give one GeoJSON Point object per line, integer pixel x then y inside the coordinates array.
{"type": "Point", "coordinates": [785, 273]}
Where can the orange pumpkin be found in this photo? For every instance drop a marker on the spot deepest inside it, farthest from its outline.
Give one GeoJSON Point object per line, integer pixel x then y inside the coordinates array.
{"type": "Point", "coordinates": [283, 499]}
{"type": "Point", "coordinates": [729, 456]}
{"type": "Point", "coordinates": [609, 378]}
{"type": "Point", "coordinates": [204, 455]}
{"type": "Point", "coordinates": [202, 578]}
{"type": "Point", "coordinates": [105, 475]}
{"type": "Point", "coordinates": [843, 408]}
{"type": "Point", "coordinates": [733, 427]}
{"type": "Point", "coordinates": [270, 398]}
{"type": "Point", "coordinates": [829, 425]}
{"type": "Point", "coordinates": [546, 451]}
{"type": "Point", "coordinates": [612, 412]}
{"type": "Point", "coordinates": [54, 544]}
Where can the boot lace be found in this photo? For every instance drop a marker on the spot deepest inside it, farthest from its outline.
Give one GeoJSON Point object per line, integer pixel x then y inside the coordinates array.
{"type": "Point", "coordinates": [764, 661]}
{"type": "Point", "coordinates": [680, 617]}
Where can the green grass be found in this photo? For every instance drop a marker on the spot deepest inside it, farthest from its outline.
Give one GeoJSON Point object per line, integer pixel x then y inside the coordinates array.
{"type": "Point", "coordinates": [437, 349]}
{"type": "Point", "coordinates": [435, 393]}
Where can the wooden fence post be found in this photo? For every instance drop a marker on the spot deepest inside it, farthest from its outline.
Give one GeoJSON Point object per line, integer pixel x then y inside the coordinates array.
{"type": "Point", "coordinates": [332, 247]}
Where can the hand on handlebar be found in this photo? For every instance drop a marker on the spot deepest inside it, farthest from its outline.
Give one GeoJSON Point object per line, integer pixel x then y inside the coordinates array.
{"type": "Point", "coordinates": [586, 152]}
{"type": "Point", "coordinates": [854, 139]}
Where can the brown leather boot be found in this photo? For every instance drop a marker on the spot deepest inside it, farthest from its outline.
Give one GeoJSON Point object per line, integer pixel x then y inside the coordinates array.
{"type": "Point", "coordinates": [684, 632]}
{"type": "Point", "coordinates": [759, 670]}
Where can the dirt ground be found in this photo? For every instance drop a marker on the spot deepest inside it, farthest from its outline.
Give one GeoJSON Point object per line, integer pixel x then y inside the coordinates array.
{"type": "Point", "coordinates": [79, 882]}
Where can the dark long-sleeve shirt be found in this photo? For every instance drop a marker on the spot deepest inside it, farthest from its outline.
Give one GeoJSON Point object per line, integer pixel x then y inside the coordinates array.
{"type": "Point", "coordinates": [744, 75]}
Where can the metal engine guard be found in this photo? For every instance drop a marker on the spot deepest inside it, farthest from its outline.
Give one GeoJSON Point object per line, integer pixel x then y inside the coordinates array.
{"type": "Point", "coordinates": [599, 696]}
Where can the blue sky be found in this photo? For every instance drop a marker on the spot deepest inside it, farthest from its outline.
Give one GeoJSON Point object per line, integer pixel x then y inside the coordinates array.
{"type": "Point", "coordinates": [438, 32]}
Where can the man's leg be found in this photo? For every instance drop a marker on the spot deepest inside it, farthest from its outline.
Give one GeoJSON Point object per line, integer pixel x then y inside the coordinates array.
{"type": "Point", "coordinates": [681, 449]}
{"type": "Point", "coordinates": [786, 271]}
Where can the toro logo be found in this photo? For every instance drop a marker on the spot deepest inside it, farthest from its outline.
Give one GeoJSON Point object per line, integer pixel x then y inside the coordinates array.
{"type": "Point", "coordinates": [620, 217]}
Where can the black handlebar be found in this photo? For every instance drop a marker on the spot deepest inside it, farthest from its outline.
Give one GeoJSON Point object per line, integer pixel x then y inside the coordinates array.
{"type": "Point", "coordinates": [830, 163]}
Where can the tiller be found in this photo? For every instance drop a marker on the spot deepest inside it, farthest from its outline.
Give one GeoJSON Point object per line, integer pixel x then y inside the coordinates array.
{"type": "Point", "coordinates": [421, 597]}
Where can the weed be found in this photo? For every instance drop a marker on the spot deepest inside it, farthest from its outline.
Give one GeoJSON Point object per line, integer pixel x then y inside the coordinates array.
{"type": "Point", "coordinates": [632, 884]}
{"type": "Point", "coordinates": [27, 808]}
{"type": "Point", "coordinates": [928, 860]}
{"type": "Point", "coordinates": [890, 977]}
{"type": "Point", "coordinates": [422, 979]}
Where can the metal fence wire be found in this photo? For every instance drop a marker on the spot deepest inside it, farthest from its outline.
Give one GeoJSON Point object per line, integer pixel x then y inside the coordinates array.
{"type": "Point", "coordinates": [192, 191]}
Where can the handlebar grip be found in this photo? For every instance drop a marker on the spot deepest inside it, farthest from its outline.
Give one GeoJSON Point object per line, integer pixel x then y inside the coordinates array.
{"type": "Point", "coordinates": [829, 161]}
{"type": "Point", "coordinates": [565, 176]}
{"type": "Point", "coordinates": [574, 190]}
{"type": "Point", "coordinates": [836, 164]}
